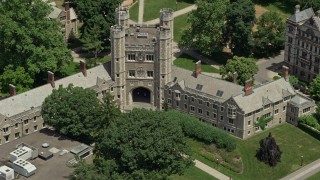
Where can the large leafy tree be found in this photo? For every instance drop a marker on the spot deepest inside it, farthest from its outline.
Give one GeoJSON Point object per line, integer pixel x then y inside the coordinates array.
{"type": "Point", "coordinates": [96, 15]}
{"type": "Point", "coordinates": [207, 23]}
{"type": "Point", "coordinates": [29, 39]}
{"type": "Point", "coordinates": [269, 151]}
{"type": "Point", "coordinates": [269, 39]}
{"type": "Point", "coordinates": [245, 67]}
{"type": "Point", "coordinates": [91, 40]}
{"type": "Point", "coordinates": [144, 144]}
{"type": "Point", "coordinates": [315, 88]}
{"type": "Point", "coordinates": [238, 27]}
{"type": "Point", "coordinates": [19, 77]}
{"type": "Point", "coordinates": [73, 111]}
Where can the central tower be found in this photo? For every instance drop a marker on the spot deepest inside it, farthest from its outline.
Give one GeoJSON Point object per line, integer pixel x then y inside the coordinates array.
{"type": "Point", "coordinates": [141, 59]}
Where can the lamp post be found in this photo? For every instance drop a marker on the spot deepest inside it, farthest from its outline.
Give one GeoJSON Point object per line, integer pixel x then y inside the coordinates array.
{"type": "Point", "coordinates": [301, 161]}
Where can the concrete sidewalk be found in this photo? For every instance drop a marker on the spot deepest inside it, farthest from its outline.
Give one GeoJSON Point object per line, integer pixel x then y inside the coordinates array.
{"type": "Point", "coordinates": [141, 11]}
{"type": "Point", "coordinates": [211, 171]}
{"type": "Point", "coordinates": [175, 14]}
{"type": "Point", "coordinates": [304, 172]}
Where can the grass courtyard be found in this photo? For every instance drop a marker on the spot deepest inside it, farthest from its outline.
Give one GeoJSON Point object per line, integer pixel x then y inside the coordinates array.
{"type": "Point", "coordinates": [134, 12]}
{"type": "Point", "coordinates": [187, 62]}
{"type": "Point", "coordinates": [179, 25]}
{"type": "Point", "coordinates": [152, 7]}
{"type": "Point", "coordinates": [193, 173]}
{"type": "Point", "coordinates": [293, 143]}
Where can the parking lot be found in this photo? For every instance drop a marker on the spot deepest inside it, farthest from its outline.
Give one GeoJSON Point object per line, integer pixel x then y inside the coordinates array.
{"type": "Point", "coordinates": [52, 169]}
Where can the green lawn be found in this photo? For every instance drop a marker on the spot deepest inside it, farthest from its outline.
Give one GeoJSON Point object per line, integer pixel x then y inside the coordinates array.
{"type": "Point", "coordinates": [283, 8]}
{"type": "Point", "coordinates": [180, 24]}
{"type": "Point", "coordinates": [314, 177]}
{"type": "Point", "coordinates": [293, 143]}
{"type": "Point", "coordinates": [134, 12]}
{"type": "Point", "coordinates": [193, 173]}
{"type": "Point", "coordinates": [187, 62]}
{"type": "Point", "coordinates": [152, 7]}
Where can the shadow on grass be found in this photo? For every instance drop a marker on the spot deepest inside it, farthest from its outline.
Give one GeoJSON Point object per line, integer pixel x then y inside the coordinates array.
{"type": "Point", "coordinates": [219, 57]}
{"type": "Point", "coordinates": [188, 62]}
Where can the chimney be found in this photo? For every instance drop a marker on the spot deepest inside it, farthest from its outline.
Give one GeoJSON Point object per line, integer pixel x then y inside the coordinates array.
{"type": "Point", "coordinates": [67, 10]}
{"type": "Point", "coordinates": [297, 9]}
{"type": "Point", "coordinates": [51, 78]}
{"type": "Point", "coordinates": [285, 72]}
{"type": "Point", "coordinates": [197, 69]}
{"type": "Point", "coordinates": [248, 87]}
{"type": "Point", "coordinates": [234, 77]}
{"type": "Point", "coordinates": [83, 68]}
{"type": "Point", "coordinates": [12, 90]}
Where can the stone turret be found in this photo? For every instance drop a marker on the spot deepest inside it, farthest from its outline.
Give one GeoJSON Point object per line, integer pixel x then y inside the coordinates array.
{"type": "Point", "coordinates": [122, 17]}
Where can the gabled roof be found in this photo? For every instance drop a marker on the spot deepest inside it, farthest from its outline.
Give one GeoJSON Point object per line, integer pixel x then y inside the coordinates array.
{"type": "Point", "coordinates": [316, 21]}
{"type": "Point", "coordinates": [73, 14]}
{"type": "Point", "coordinates": [54, 14]}
{"type": "Point", "coordinates": [31, 99]}
{"type": "Point", "coordinates": [302, 15]}
{"type": "Point", "coordinates": [209, 85]}
{"type": "Point", "coordinates": [265, 94]}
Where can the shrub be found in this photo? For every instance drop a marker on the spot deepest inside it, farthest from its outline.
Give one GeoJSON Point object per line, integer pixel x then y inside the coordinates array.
{"type": "Point", "coordinates": [193, 128]}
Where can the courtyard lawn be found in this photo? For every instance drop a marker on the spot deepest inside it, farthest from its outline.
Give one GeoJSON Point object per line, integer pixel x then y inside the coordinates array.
{"type": "Point", "coordinates": [193, 173]}
{"type": "Point", "coordinates": [152, 7]}
{"type": "Point", "coordinates": [180, 24]}
{"type": "Point", "coordinates": [293, 143]}
{"type": "Point", "coordinates": [284, 9]}
{"type": "Point", "coordinates": [134, 12]}
{"type": "Point", "coordinates": [187, 62]}
{"type": "Point", "coordinates": [314, 177]}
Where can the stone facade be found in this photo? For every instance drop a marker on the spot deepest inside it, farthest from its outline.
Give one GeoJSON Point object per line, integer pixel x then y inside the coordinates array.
{"type": "Point", "coordinates": [141, 71]}
{"type": "Point", "coordinates": [302, 45]}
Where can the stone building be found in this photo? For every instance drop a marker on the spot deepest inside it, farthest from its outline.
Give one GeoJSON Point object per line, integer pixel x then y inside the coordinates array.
{"type": "Point", "coordinates": [67, 17]}
{"type": "Point", "coordinates": [302, 45]}
{"type": "Point", "coordinates": [141, 74]}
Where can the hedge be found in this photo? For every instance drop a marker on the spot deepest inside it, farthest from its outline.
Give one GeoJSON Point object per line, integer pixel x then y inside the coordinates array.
{"type": "Point", "coordinates": [194, 128]}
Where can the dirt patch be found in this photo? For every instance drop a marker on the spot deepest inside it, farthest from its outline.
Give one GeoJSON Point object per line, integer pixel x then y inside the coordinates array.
{"type": "Point", "coordinates": [259, 11]}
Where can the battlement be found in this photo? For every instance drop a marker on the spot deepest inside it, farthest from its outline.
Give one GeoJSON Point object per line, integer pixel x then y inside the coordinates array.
{"type": "Point", "coordinates": [166, 14]}
{"type": "Point", "coordinates": [122, 13]}
{"type": "Point", "coordinates": [117, 31]}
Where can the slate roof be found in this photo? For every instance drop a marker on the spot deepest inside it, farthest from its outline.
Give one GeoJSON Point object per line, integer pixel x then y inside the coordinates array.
{"type": "Point", "coordinates": [302, 15]}
{"type": "Point", "coordinates": [54, 14]}
{"type": "Point", "coordinates": [270, 92]}
{"type": "Point", "coordinates": [299, 100]}
{"type": "Point", "coordinates": [210, 85]}
{"type": "Point", "coordinates": [34, 98]}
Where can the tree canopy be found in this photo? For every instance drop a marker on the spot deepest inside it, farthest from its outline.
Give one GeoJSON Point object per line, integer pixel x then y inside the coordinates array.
{"type": "Point", "coordinates": [145, 143]}
{"type": "Point", "coordinates": [207, 23]}
{"type": "Point", "coordinates": [18, 77]}
{"type": "Point", "coordinates": [245, 67]}
{"type": "Point", "coordinates": [97, 17]}
{"type": "Point", "coordinates": [269, 151]}
{"type": "Point", "coordinates": [269, 39]}
{"type": "Point", "coordinates": [73, 111]}
{"type": "Point", "coordinates": [240, 18]}
{"type": "Point", "coordinates": [29, 39]}
{"type": "Point", "coordinates": [315, 88]}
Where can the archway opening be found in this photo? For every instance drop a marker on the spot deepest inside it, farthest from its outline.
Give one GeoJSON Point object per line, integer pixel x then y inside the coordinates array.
{"type": "Point", "coordinates": [141, 94]}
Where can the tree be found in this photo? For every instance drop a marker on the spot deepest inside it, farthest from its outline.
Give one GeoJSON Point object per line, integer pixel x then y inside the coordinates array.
{"type": "Point", "coordinates": [91, 40]}
{"type": "Point", "coordinates": [269, 151]}
{"type": "Point", "coordinates": [269, 39]}
{"type": "Point", "coordinates": [315, 88]}
{"type": "Point", "coordinates": [73, 111]}
{"type": "Point", "coordinates": [99, 13]}
{"type": "Point", "coordinates": [245, 67]}
{"type": "Point", "coordinates": [293, 80]}
{"type": "Point", "coordinates": [238, 27]}
{"type": "Point", "coordinates": [145, 144]}
{"type": "Point", "coordinates": [18, 77]}
{"type": "Point", "coordinates": [207, 23]}
{"type": "Point", "coordinates": [29, 39]}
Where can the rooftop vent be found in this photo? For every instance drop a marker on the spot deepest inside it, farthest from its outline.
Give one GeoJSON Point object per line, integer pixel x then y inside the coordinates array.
{"type": "Point", "coordinates": [142, 35]}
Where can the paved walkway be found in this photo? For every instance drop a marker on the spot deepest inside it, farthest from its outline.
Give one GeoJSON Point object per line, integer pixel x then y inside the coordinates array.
{"type": "Point", "coordinates": [141, 11]}
{"type": "Point", "coordinates": [210, 170]}
{"type": "Point", "coordinates": [304, 172]}
{"type": "Point", "coordinates": [175, 14]}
